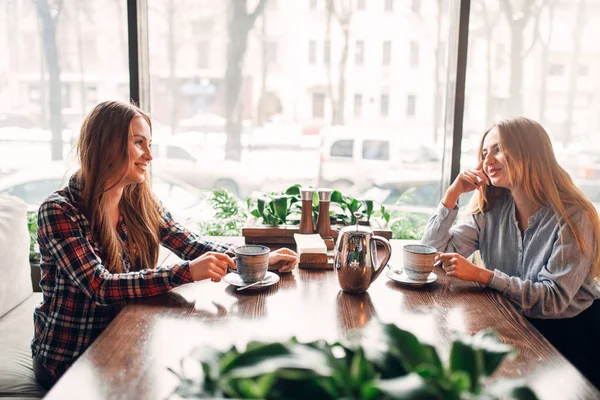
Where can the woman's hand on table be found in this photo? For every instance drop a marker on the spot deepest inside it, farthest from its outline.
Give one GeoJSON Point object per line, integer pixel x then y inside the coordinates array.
{"type": "Point", "coordinates": [459, 267]}
{"type": "Point", "coordinates": [210, 265]}
{"type": "Point", "coordinates": [287, 258]}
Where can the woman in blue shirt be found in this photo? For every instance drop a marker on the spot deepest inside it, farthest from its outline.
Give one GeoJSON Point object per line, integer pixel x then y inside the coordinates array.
{"type": "Point", "coordinates": [537, 233]}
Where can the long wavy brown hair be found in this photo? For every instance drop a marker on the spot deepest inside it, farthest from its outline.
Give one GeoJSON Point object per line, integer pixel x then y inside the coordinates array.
{"type": "Point", "coordinates": [103, 150]}
{"type": "Point", "coordinates": [532, 165]}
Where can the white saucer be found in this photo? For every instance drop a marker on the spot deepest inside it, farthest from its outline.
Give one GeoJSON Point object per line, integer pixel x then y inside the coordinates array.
{"type": "Point", "coordinates": [235, 280]}
{"type": "Point", "coordinates": [405, 280]}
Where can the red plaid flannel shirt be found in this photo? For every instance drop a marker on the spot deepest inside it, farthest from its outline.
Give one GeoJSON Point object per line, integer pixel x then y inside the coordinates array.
{"type": "Point", "coordinates": [80, 296]}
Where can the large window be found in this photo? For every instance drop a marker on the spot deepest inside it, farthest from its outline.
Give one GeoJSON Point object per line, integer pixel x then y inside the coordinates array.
{"type": "Point", "coordinates": [250, 95]}
{"type": "Point", "coordinates": [58, 59]}
{"type": "Point", "coordinates": [543, 65]}
{"type": "Point", "coordinates": [289, 118]}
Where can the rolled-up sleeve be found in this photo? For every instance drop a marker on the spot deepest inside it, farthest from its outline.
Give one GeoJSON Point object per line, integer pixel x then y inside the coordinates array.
{"type": "Point", "coordinates": [185, 244]}
{"type": "Point", "coordinates": [462, 238]}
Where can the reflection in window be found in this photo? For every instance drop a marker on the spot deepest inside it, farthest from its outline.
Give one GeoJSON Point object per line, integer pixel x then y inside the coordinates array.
{"type": "Point", "coordinates": [376, 150]}
{"type": "Point", "coordinates": [343, 148]}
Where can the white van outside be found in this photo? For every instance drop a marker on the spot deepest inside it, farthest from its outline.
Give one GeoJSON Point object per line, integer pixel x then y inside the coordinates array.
{"type": "Point", "coordinates": [352, 157]}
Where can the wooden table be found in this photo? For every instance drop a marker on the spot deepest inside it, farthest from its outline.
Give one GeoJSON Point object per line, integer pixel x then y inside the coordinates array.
{"type": "Point", "coordinates": [130, 359]}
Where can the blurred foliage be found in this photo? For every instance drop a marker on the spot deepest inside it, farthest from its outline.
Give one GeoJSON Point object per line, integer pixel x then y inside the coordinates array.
{"type": "Point", "coordinates": [407, 225]}
{"type": "Point", "coordinates": [392, 365]}
{"type": "Point", "coordinates": [34, 248]}
{"type": "Point", "coordinates": [230, 215]}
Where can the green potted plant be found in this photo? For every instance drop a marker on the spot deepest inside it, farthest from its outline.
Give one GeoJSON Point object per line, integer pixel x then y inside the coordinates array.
{"type": "Point", "coordinates": [393, 364]}
{"type": "Point", "coordinates": [277, 214]}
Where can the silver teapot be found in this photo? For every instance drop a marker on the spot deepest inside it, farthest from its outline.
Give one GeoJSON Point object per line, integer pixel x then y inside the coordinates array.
{"type": "Point", "coordinates": [356, 257]}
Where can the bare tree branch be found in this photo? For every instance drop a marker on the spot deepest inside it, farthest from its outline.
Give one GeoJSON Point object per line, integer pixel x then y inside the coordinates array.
{"type": "Point", "coordinates": [537, 12]}
{"type": "Point", "coordinates": [257, 11]}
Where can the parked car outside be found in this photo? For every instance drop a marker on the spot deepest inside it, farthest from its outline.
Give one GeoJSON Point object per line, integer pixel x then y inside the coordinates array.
{"type": "Point", "coordinates": [187, 204]}
{"type": "Point", "coordinates": [24, 148]}
{"type": "Point", "coordinates": [354, 157]}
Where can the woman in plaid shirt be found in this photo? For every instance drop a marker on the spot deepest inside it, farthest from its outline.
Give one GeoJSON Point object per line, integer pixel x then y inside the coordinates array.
{"type": "Point", "coordinates": [99, 240]}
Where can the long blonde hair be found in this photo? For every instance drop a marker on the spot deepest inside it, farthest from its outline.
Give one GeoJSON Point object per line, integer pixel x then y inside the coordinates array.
{"type": "Point", "coordinates": [532, 166]}
{"type": "Point", "coordinates": [103, 149]}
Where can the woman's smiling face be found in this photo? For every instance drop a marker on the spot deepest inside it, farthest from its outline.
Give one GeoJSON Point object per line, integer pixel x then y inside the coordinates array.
{"type": "Point", "coordinates": [494, 161]}
{"type": "Point", "coordinates": [139, 151]}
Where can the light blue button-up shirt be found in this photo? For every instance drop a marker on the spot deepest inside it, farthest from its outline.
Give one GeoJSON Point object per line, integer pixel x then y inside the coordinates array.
{"type": "Point", "coordinates": [544, 276]}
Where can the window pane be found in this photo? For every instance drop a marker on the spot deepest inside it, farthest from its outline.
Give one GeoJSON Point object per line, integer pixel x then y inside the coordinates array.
{"type": "Point", "coordinates": [357, 105]}
{"type": "Point", "coordinates": [360, 51]}
{"type": "Point", "coordinates": [385, 105]}
{"type": "Point", "coordinates": [312, 52]}
{"type": "Point", "coordinates": [342, 148]}
{"type": "Point", "coordinates": [57, 61]}
{"type": "Point", "coordinates": [387, 53]}
{"type": "Point", "coordinates": [314, 113]}
{"type": "Point", "coordinates": [546, 73]}
{"type": "Point", "coordinates": [376, 150]}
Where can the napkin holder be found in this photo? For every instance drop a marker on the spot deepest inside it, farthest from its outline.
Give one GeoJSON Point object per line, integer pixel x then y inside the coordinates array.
{"type": "Point", "coordinates": [312, 252]}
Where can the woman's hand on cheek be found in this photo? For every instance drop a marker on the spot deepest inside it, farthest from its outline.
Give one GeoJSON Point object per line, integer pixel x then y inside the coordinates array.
{"type": "Point", "coordinates": [287, 259]}
{"type": "Point", "coordinates": [459, 267]}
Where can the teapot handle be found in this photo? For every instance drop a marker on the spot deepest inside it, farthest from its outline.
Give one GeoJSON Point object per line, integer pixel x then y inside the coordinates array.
{"type": "Point", "coordinates": [386, 257]}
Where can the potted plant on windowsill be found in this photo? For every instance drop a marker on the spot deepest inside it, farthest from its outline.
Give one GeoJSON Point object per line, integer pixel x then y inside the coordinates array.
{"type": "Point", "coordinates": [274, 217]}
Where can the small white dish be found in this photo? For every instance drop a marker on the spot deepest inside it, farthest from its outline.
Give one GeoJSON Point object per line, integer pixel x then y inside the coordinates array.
{"type": "Point", "coordinates": [235, 280]}
{"type": "Point", "coordinates": [400, 277]}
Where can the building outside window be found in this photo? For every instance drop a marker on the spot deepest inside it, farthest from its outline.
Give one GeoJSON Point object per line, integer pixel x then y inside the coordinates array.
{"type": "Point", "coordinates": [327, 52]}
{"type": "Point", "coordinates": [411, 105]}
{"type": "Point", "coordinates": [203, 54]}
{"type": "Point", "coordinates": [385, 105]}
{"type": "Point", "coordinates": [386, 59]}
{"type": "Point", "coordinates": [318, 106]}
{"type": "Point", "coordinates": [271, 48]}
{"type": "Point", "coordinates": [556, 70]}
{"type": "Point", "coordinates": [312, 52]}
{"type": "Point", "coordinates": [389, 5]}
{"type": "Point", "coordinates": [359, 55]}
{"type": "Point", "coordinates": [358, 100]}
{"type": "Point", "coordinates": [414, 54]}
